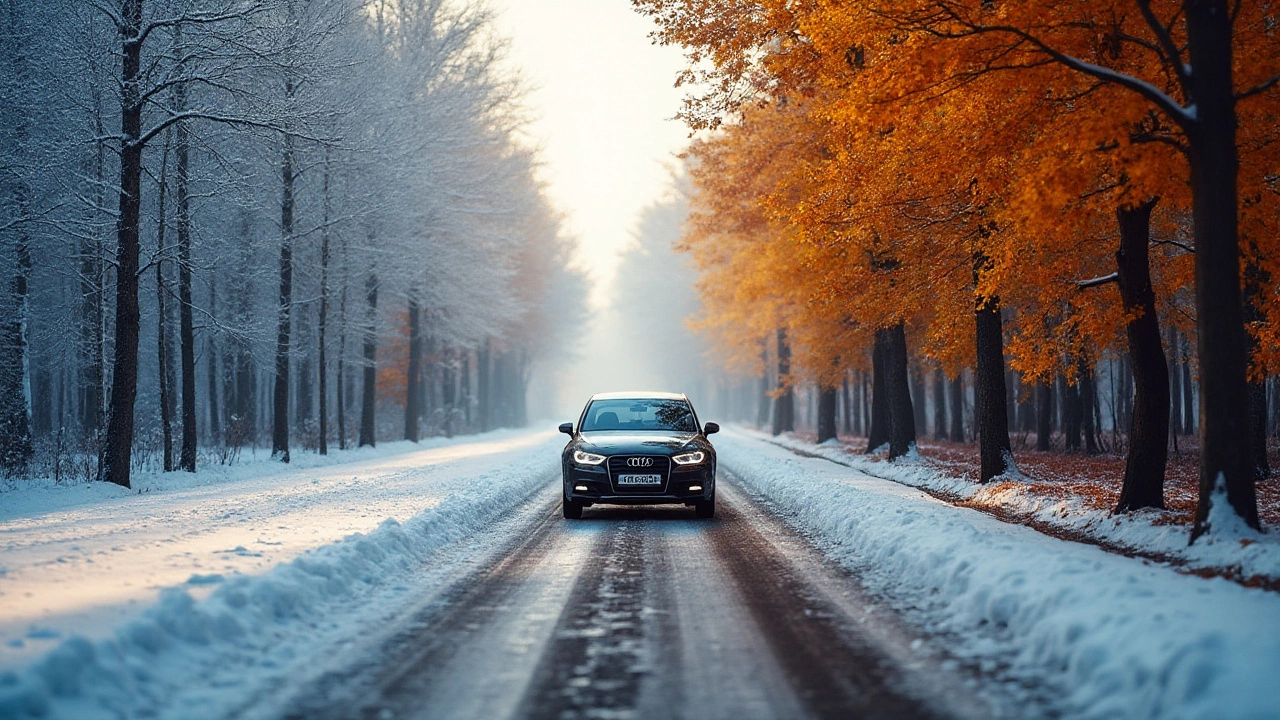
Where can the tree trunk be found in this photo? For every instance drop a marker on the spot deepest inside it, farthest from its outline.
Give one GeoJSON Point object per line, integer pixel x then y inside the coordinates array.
{"type": "Point", "coordinates": [1258, 422]}
{"type": "Point", "coordinates": [369, 392]}
{"type": "Point", "coordinates": [939, 404]}
{"type": "Point", "coordinates": [826, 414]}
{"type": "Point", "coordinates": [957, 408]}
{"type": "Point", "coordinates": [117, 448]}
{"type": "Point", "coordinates": [1226, 454]}
{"type": "Point", "coordinates": [765, 402]}
{"type": "Point", "coordinates": [484, 396]}
{"type": "Point", "coordinates": [919, 404]}
{"type": "Point", "coordinates": [164, 351]}
{"type": "Point", "coordinates": [1188, 390]}
{"type": "Point", "coordinates": [1073, 414]}
{"type": "Point", "coordinates": [215, 420]}
{"type": "Point", "coordinates": [1175, 384]}
{"type": "Point", "coordinates": [186, 323]}
{"type": "Point", "coordinates": [1044, 416]}
{"type": "Point", "coordinates": [989, 389]}
{"type": "Point", "coordinates": [1143, 484]}
{"type": "Point", "coordinates": [846, 404]}
{"type": "Point", "coordinates": [280, 397]}
{"type": "Point", "coordinates": [1088, 402]}
{"type": "Point", "coordinates": [340, 371]}
{"type": "Point", "coordinates": [323, 322]}
{"type": "Point", "coordinates": [784, 407]}
{"type": "Point", "coordinates": [878, 429]}
{"type": "Point", "coordinates": [902, 422]}
{"type": "Point", "coordinates": [16, 448]}
{"type": "Point", "coordinates": [411, 409]}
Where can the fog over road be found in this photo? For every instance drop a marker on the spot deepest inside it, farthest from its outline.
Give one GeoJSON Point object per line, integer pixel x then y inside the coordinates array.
{"type": "Point", "coordinates": [645, 612]}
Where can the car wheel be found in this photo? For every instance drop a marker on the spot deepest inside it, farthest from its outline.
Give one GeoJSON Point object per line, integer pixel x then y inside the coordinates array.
{"type": "Point", "coordinates": [705, 508]}
{"type": "Point", "coordinates": [572, 510]}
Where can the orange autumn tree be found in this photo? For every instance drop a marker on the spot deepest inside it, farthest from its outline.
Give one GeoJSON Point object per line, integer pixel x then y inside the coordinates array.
{"type": "Point", "coordinates": [809, 48]}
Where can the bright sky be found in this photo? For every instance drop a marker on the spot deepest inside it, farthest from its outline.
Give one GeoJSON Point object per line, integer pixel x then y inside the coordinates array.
{"type": "Point", "coordinates": [603, 97]}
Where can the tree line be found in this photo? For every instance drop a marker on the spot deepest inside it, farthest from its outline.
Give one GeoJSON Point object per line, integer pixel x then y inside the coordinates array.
{"type": "Point", "coordinates": [231, 222]}
{"type": "Point", "coordinates": [996, 187]}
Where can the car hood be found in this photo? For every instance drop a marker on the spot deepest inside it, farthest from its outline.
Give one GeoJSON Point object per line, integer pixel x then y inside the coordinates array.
{"type": "Point", "coordinates": [646, 443]}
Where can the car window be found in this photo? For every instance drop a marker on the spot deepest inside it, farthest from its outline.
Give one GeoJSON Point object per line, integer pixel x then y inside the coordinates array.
{"type": "Point", "coordinates": [670, 415]}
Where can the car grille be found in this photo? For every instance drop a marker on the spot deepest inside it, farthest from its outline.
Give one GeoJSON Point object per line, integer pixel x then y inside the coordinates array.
{"type": "Point", "coordinates": [618, 465]}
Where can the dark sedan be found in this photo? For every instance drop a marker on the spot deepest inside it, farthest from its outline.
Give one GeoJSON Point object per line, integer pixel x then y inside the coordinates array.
{"type": "Point", "coordinates": [639, 449]}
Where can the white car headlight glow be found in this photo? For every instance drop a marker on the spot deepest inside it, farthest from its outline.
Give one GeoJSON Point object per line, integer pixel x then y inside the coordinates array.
{"type": "Point", "coordinates": [586, 458]}
{"type": "Point", "coordinates": [692, 458]}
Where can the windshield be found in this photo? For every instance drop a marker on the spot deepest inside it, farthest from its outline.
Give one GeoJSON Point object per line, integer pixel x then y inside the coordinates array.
{"type": "Point", "coordinates": [669, 415]}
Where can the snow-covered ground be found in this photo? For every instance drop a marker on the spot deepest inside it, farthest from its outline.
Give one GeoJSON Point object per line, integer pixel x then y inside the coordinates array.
{"type": "Point", "coordinates": [1233, 549]}
{"type": "Point", "coordinates": [1117, 637]}
{"type": "Point", "coordinates": [111, 600]}
{"type": "Point", "coordinates": [204, 594]}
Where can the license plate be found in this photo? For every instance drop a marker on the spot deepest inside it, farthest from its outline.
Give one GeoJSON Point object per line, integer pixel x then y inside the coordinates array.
{"type": "Point", "coordinates": [639, 479]}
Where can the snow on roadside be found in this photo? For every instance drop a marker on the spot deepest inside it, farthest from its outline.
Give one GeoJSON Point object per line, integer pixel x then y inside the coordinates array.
{"type": "Point", "coordinates": [1237, 552]}
{"type": "Point", "coordinates": [1119, 637]}
{"type": "Point", "coordinates": [197, 647]}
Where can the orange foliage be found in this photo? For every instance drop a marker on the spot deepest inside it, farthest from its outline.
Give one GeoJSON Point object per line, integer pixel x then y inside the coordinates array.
{"type": "Point", "coordinates": [867, 167]}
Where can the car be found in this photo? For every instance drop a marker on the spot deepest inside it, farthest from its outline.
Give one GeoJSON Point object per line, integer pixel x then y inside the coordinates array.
{"type": "Point", "coordinates": [639, 448]}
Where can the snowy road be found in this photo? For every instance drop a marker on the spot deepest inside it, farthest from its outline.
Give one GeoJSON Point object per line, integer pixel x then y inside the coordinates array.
{"type": "Point", "coordinates": [645, 613]}
{"type": "Point", "coordinates": [442, 582]}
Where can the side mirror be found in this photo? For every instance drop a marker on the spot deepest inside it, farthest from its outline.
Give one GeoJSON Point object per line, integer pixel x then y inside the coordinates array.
{"type": "Point", "coordinates": [711, 428]}
{"type": "Point", "coordinates": [566, 428]}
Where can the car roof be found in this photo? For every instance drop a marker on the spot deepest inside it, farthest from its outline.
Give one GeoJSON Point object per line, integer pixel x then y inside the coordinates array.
{"type": "Point", "coordinates": [639, 395]}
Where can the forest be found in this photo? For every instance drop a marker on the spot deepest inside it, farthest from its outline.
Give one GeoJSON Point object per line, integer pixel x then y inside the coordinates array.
{"type": "Point", "coordinates": [994, 212]}
{"type": "Point", "coordinates": [287, 224]}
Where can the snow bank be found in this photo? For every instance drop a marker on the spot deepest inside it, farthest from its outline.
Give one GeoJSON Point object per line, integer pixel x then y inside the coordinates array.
{"type": "Point", "coordinates": [1240, 551]}
{"type": "Point", "coordinates": [206, 654]}
{"type": "Point", "coordinates": [1120, 638]}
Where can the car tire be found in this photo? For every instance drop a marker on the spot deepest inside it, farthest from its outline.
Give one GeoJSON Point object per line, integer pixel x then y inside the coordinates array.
{"type": "Point", "coordinates": [572, 510]}
{"type": "Point", "coordinates": [705, 508]}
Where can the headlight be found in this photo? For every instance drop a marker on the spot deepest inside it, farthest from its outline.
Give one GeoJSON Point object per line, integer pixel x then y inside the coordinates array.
{"type": "Point", "coordinates": [586, 458]}
{"type": "Point", "coordinates": [692, 458]}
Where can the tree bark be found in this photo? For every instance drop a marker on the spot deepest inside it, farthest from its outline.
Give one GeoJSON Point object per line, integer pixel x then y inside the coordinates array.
{"type": "Point", "coordinates": [826, 414]}
{"type": "Point", "coordinates": [902, 422]}
{"type": "Point", "coordinates": [846, 404]}
{"type": "Point", "coordinates": [164, 351]}
{"type": "Point", "coordinates": [411, 409]}
{"type": "Point", "coordinates": [1188, 390]}
{"type": "Point", "coordinates": [1073, 414]}
{"type": "Point", "coordinates": [1088, 401]}
{"type": "Point", "coordinates": [215, 421]}
{"type": "Point", "coordinates": [1175, 384]}
{"type": "Point", "coordinates": [484, 394]}
{"type": "Point", "coordinates": [323, 322]}
{"type": "Point", "coordinates": [878, 429]}
{"type": "Point", "coordinates": [989, 389]}
{"type": "Point", "coordinates": [186, 323]}
{"type": "Point", "coordinates": [16, 448]}
{"type": "Point", "coordinates": [957, 408]}
{"type": "Point", "coordinates": [1044, 416]}
{"type": "Point", "coordinates": [343, 386]}
{"type": "Point", "coordinates": [280, 397]}
{"type": "Point", "coordinates": [369, 392]}
{"type": "Point", "coordinates": [939, 404]}
{"type": "Point", "coordinates": [784, 407]}
{"type": "Point", "coordinates": [117, 447]}
{"type": "Point", "coordinates": [1226, 454]}
{"type": "Point", "coordinates": [1144, 469]}
{"type": "Point", "coordinates": [765, 402]}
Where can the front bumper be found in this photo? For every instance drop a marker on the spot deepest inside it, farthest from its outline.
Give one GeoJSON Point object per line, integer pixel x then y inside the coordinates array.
{"type": "Point", "coordinates": [600, 489]}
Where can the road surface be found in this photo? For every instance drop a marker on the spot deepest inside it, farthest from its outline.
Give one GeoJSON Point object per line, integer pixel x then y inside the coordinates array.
{"type": "Point", "coordinates": [644, 612]}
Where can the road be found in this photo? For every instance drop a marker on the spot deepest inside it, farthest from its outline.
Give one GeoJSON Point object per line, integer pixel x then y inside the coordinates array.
{"type": "Point", "coordinates": [646, 612]}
